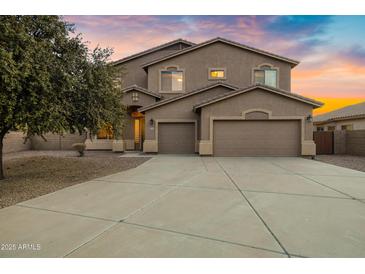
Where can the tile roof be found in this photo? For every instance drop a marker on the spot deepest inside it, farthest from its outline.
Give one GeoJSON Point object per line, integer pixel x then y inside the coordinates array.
{"type": "Point", "coordinates": [352, 111]}
{"type": "Point", "coordinates": [150, 50]}
{"type": "Point", "coordinates": [220, 39]}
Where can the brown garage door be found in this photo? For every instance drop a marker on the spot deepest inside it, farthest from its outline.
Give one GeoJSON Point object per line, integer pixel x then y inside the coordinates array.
{"type": "Point", "coordinates": [176, 138]}
{"type": "Point", "coordinates": [256, 138]}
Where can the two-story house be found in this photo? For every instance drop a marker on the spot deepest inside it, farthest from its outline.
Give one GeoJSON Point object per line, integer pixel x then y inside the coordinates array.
{"type": "Point", "coordinates": [218, 98]}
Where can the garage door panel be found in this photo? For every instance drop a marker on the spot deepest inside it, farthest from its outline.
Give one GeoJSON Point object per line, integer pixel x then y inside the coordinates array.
{"type": "Point", "coordinates": [256, 138]}
{"type": "Point", "coordinates": [176, 138]}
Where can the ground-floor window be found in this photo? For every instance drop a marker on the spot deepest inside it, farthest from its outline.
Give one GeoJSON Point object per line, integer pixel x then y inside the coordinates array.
{"type": "Point", "coordinates": [105, 132]}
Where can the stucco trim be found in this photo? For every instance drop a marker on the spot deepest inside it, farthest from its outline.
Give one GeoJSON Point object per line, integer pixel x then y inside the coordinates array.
{"type": "Point", "coordinates": [217, 79]}
{"type": "Point", "coordinates": [268, 112]}
{"type": "Point", "coordinates": [226, 41]}
{"type": "Point", "coordinates": [195, 122]}
{"type": "Point", "coordinates": [172, 91]}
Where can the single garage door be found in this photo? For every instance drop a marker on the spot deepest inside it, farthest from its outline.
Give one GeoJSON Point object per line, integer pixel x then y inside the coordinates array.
{"type": "Point", "coordinates": [176, 138]}
{"type": "Point", "coordinates": [256, 138]}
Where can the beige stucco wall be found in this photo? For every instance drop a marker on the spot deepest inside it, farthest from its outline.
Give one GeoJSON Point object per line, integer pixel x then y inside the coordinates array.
{"type": "Point", "coordinates": [358, 124]}
{"type": "Point", "coordinates": [355, 142]}
{"type": "Point", "coordinates": [14, 141]}
{"type": "Point", "coordinates": [134, 74]}
{"type": "Point", "coordinates": [180, 109]}
{"type": "Point", "coordinates": [56, 141]}
{"type": "Point", "coordinates": [239, 64]}
{"type": "Point", "coordinates": [339, 142]}
{"type": "Point", "coordinates": [257, 99]}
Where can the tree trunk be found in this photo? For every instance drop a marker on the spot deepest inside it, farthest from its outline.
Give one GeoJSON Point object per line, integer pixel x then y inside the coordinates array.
{"type": "Point", "coordinates": [1, 158]}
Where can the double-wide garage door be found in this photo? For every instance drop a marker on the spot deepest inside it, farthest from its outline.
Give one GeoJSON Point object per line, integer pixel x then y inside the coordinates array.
{"type": "Point", "coordinates": [176, 138]}
{"type": "Point", "coordinates": [256, 138]}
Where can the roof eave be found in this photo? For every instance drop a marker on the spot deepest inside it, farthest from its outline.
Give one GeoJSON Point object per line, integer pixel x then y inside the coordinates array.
{"type": "Point", "coordinates": [342, 118]}
{"type": "Point", "coordinates": [315, 104]}
{"type": "Point", "coordinates": [140, 89]}
{"type": "Point", "coordinates": [292, 62]}
{"type": "Point", "coordinates": [173, 99]}
{"type": "Point", "coordinates": [153, 49]}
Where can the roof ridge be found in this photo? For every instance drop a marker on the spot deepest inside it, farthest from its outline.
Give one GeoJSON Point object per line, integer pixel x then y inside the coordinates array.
{"type": "Point", "coordinates": [149, 50]}
{"type": "Point", "coordinates": [207, 42]}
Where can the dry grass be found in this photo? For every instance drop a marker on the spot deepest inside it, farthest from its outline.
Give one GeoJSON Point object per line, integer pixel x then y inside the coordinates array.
{"type": "Point", "coordinates": [30, 177]}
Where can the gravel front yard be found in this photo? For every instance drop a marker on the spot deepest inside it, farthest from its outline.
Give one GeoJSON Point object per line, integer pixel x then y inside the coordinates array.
{"type": "Point", "coordinates": [349, 161]}
{"type": "Point", "coordinates": [29, 175]}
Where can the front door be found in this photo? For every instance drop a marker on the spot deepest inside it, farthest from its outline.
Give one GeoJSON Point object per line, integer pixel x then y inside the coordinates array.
{"type": "Point", "coordinates": [138, 130]}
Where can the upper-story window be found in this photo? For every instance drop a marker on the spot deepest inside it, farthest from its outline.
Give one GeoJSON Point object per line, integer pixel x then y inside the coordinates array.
{"type": "Point", "coordinates": [172, 80]}
{"type": "Point", "coordinates": [217, 74]}
{"type": "Point", "coordinates": [266, 75]}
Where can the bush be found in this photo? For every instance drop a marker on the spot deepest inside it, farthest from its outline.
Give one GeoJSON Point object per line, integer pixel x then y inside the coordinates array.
{"type": "Point", "coordinates": [80, 148]}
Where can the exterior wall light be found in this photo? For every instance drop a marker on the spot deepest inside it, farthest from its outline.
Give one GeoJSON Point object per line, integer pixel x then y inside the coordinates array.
{"type": "Point", "coordinates": [310, 118]}
{"type": "Point", "coordinates": [152, 122]}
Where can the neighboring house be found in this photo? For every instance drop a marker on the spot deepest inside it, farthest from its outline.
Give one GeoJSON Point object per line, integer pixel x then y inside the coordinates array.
{"type": "Point", "coordinates": [217, 98]}
{"type": "Point", "coordinates": [347, 118]}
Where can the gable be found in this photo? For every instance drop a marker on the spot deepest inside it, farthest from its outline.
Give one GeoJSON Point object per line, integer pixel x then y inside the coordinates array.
{"type": "Point", "coordinates": [267, 95]}
{"type": "Point", "coordinates": [238, 63]}
{"type": "Point", "coordinates": [132, 71]}
{"type": "Point", "coordinates": [204, 93]}
{"type": "Point", "coordinates": [256, 100]}
{"type": "Point", "coordinates": [143, 99]}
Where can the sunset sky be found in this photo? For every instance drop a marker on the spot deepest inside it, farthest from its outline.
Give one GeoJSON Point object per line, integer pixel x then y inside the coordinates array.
{"type": "Point", "coordinates": [331, 49]}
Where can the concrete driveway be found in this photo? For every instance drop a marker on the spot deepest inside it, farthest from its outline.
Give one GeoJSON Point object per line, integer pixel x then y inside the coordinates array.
{"type": "Point", "coordinates": [190, 206]}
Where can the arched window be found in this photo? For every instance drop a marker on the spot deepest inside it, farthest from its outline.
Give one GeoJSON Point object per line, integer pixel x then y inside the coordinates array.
{"type": "Point", "coordinates": [266, 75]}
{"type": "Point", "coordinates": [172, 80]}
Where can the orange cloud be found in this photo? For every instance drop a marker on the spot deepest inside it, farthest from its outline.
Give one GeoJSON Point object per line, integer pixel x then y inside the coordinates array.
{"type": "Point", "coordinates": [324, 71]}
{"type": "Point", "coordinates": [335, 78]}
{"type": "Point", "coordinates": [306, 74]}
{"type": "Point", "coordinates": [331, 104]}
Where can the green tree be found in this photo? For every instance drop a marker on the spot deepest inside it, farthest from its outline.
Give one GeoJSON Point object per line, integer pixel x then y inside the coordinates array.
{"type": "Point", "coordinates": [51, 82]}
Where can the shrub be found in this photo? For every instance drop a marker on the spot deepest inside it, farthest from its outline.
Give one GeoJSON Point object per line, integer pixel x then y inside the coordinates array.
{"type": "Point", "coordinates": [80, 148]}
